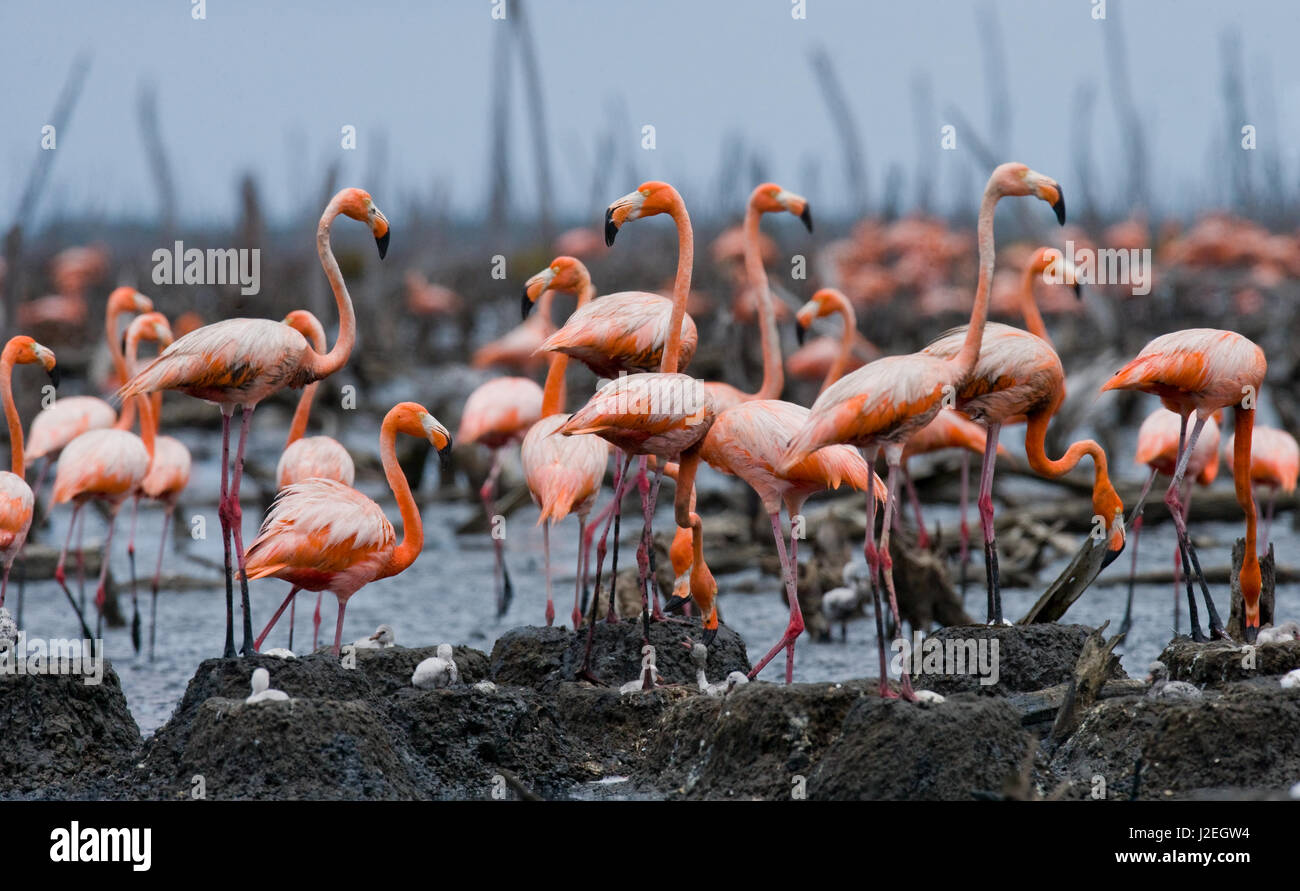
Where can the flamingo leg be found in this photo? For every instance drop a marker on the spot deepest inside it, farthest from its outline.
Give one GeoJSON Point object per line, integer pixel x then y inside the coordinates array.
{"type": "Point", "coordinates": [581, 572]}
{"type": "Point", "coordinates": [922, 536]}
{"type": "Point", "coordinates": [42, 512]}
{"type": "Point", "coordinates": [101, 590]}
{"type": "Point", "coordinates": [338, 627]}
{"type": "Point", "coordinates": [315, 623]}
{"type": "Point", "coordinates": [963, 553]}
{"type": "Point", "coordinates": [237, 528]}
{"type": "Point", "coordinates": [620, 480]}
{"type": "Point", "coordinates": [81, 562]}
{"type": "Point", "coordinates": [157, 575]}
{"type": "Point", "coordinates": [293, 607]}
{"type": "Point", "coordinates": [293, 593]}
{"type": "Point", "coordinates": [546, 552]}
{"type": "Point", "coordinates": [130, 556]}
{"type": "Point", "coordinates": [986, 522]}
{"type": "Point", "coordinates": [893, 455]}
{"type": "Point", "coordinates": [1186, 550]}
{"type": "Point", "coordinates": [500, 577]}
{"type": "Point", "coordinates": [873, 564]}
{"type": "Point", "coordinates": [22, 582]}
{"type": "Point", "coordinates": [61, 577]}
{"type": "Point", "coordinates": [796, 625]}
{"type": "Point", "coordinates": [4, 583]}
{"type": "Point", "coordinates": [642, 551]}
{"type": "Point", "coordinates": [1135, 525]}
{"type": "Point", "coordinates": [228, 652]}
{"type": "Point", "coordinates": [647, 543]}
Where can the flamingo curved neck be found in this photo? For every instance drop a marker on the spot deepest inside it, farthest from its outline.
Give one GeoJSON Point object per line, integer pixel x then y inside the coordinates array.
{"type": "Point", "coordinates": [845, 309]}
{"type": "Point", "coordinates": [553, 396]}
{"type": "Point", "coordinates": [322, 366]}
{"type": "Point", "coordinates": [1243, 431]}
{"type": "Point", "coordinates": [412, 525]}
{"type": "Point", "coordinates": [142, 403]}
{"type": "Point", "coordinates": [773, 371]}
{"type": "Point", "coordinates": [301, 414]}
{"type": "Point", "coordinates": [681, 286]}
{"type": "Point", "coordinates": [127, 417]}
{"type": "Point", "coordinates": [969, 354]}
{"type": "Point", "coordinates": [1035, 451]}
{"type": "Point", "coordinates": [16, 465]}
{"type": "Point", "coordinates": [1029, 309]}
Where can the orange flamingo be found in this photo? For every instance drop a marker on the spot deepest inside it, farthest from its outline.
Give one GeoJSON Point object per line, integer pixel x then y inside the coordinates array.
{"type": "Point", "coordinates": [239, 362]}
{"type": "Point", "coordinates": [839, 357]}
{"type": "Point", "coordinates": [886, 402]}
{"type": "Point", "coordinates": [1205, 370]}
{"type": "Point", "coordinates": [17, 502]}
{"type": "Point", "coordinates": [563, 473]}
{"type": "Point", "coordinates": [1157, 447]}
{"type": "Point", "coordinates": [309, 457]}
{"type": "Point", "coordinates": [168, 475]}
{"type": "Point", "coordinates": [1274, 466]}
{"type": "Point", "coordinates": [321, 535]}
{"type": "Point", "coordinates": [1018, 374]}
{"type": "Point", "coordinates": [660, 413]}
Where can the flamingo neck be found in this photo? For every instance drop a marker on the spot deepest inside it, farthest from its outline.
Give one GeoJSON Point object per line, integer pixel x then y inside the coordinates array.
{"type": "Point", "coordinates": [553, 396]}
{"type": "Point", "coordinates": [845, 309]}
{"type": "Point", "coordinates": [16, 465]}
{"type": "Point", "coordinates": [1029, 308]}
{"type": "Point", "coordinates": [773, 371]}
{"type": "Point", "coordinates": [412, 526]}
{"type": "Point", "coordinates": [969, 354]}
{"type": "Point", "coordinates": [1035, 451]}
{"type": "Point", "coordinates": [681, 286]}
{"type": "Point", "coordinates": [126, 419]}
{"type": "Point", "coordinates": [148, 425]}
{"type": "Point", "coordinates": [130, 364]}
{"type": "Point", "coordinates": [301, 414]}
{"type": "Point", "coordinates": [322, 366]}
{"type": "Point", "coordinates": [1243, 431]}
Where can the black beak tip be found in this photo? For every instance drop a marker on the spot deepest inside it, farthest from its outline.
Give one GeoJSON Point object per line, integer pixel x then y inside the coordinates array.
{"type": "Point", "coordinates": [1111, 556]}
{"type": "Point", "coordinates": [1078, 291]}
{"type": "Point", "coordinates": [675, 603]}
{"type": "Point", "coordinates": [1251, 633]}
{"type": "Point", "coordinates": [800, 333]}
{"type": "Point", "coordinates": [55, 376]}
{"type": "Point", "coordinates": [710, 634]}
{"type": "Point", "coordinates": [444, 456]}
{"type": "Point", "coordinates": [382, 242]}
{"type": "Point", "coordinates": [611, 228]}
{"type": "Point", "coordinates": [526, 306]}
{"type": "Point", "coordinates": [806, 216]}
{"type": "Point", "coordinates": [1059, 206]}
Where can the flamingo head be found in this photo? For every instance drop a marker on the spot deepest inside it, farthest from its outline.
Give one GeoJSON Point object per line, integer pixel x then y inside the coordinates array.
{"type": "Point", "coordinates": [1251, 584]}
{"type": "Point", "coordinates": [23, 350]}
{"type": "Point", "coordinates": [305, 323]}
{"type": "Point", "coordinates": [771, 198]}
{"type": "Point", "coordinates": [414, 419]}
{"type": "Point", "coordinates": [823, 303]}
{"type": "Point", "coordinates": [357, 204]}
{"type": "Point", "coordinates": [1015, 179]}
{"type": "Point", "coordinates": [566, 274]}
{"type": "Point", "coordinates": [1049, 259]}
{"type": "Point", "coordinates": [651, 198]}
{"type": "Point", "coordinates": [1106, 503]}
{"type": "Point", "coordinates": [151, 326]}
{"type": "Point", "coordinates": [128, 300]}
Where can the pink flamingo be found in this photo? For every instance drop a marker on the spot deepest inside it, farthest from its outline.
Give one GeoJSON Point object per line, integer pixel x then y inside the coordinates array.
{"type": "Point", "coordinates": [886, 402]}
{"type": "Point", "coordinates": [1274, 466]}
{"type": "Point", "coordinates": [240, 362]}
{"type": "Point", "coordinates": [17, 502]}
{"type": "Point", "coordinates": [321, 535]}
{"type": "Point", "coordinates": [307, 457]}
{"type": "Point", "coordinates": [1157, 447]}
{"type": "Point", "coordinates": [563, 473]}
{"type": "Point", "coordinates": [1205, 370]}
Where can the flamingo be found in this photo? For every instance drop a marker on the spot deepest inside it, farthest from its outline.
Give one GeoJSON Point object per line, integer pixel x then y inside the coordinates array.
{"type": "Point", "coordinates": [1157, 447]}
{"type": "Point", "coordinates": [518, 347]}
{"type": "Point", "coordinates": [308, 457]}
{"type": "Point", "coordinates": [748, 441]}
{"type": "Point", "coordinates": [17, 502]}
{"type": "Point", "coordinates": [660, 413]}
{"type": "Point", "coordinates": [563, 473]}
{"type": "Point", "coordinates": [321, 535]}
{"type": "Point", "coordinates": [240, 362]}
{"type": "Point", "coordinates": [1204, 370]}
{"type": "Point", "coordinates": [884, 403]}
{"type": "Point", "coordinates": [168, 475]}
{"type": "Point", "coordinates": [67, 418]}
{"type": "Point", "coordinates": [836, 358]}
{"type": "Point", "coordinates": [1018, 374]}
{"type": "Point", "coordinates": [1274, 465]}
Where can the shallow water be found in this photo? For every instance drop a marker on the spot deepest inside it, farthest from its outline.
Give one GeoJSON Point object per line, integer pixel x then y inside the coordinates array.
{"type": "Point", "coordinates": [447, 595]}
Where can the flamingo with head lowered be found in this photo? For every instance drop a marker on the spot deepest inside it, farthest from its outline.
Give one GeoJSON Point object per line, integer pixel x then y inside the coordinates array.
{"type": "Point", "coordinates": [240, 362]}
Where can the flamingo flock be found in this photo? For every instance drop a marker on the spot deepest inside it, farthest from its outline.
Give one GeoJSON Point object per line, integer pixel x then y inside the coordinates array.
{"type": "Point", "coordinates": [960, 391]}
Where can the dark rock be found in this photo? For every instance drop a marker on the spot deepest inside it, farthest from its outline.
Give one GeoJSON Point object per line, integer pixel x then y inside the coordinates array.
{"type": "Point", "coordinates": [890, 749]}
{"type": "Point", "coordinates": [1029, 657]}
{"type": "Point", "coordinates": [62, 735]}
{"type": "Point", "coordinates": [1221, 661]}
{"type": "Point", "coordinates": [540, 656]}
{"type": "Point", "coordinates": [1245, 736]}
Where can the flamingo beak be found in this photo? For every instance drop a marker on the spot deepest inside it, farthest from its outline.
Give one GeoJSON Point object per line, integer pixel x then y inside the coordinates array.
{"type": "Point", "coordinates": [1251, 631]}
{"type": "Point", "coordinates": [1078, 290]}
{"type": "Point", "coordinates": [709, 635]}
{"type": "Point", "coordinates": [1059, 205]}
{"type": "Point", "coordinates": [806, 216]}
{"type": "Point", "coordinates": [444, 456]}
{"type": "Point", "coordinates": [800, 333]}
{"type": "Point", "coordinates": [382, 242]}
{"type": "Point", "coordinates": [611, 228]}
{"type": "Point", "coordinates": [675, 603]}
{"type": "Point", "coordinates": [526, 306]}
{"type": "Point", "coordinates": [55, 375]}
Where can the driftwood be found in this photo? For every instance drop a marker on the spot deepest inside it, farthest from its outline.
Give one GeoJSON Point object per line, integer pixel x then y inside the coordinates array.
{"type": "Point", "coordinates": [1268, 574]}
{"type": "Point", "coordinates": [1070, 584]}
{"type": "Point", "coordinates": [1097, 663]}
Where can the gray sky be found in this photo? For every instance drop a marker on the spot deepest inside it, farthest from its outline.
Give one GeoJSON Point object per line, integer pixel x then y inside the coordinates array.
{"type": "Point", "coordinates": [267, 85]}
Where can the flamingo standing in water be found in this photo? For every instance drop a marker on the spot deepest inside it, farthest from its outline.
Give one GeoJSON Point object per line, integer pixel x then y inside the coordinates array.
{"type": "Point", "coordinates": [168, 475]}
{"type": "Point", "coordinates": [563, 473]}
{"type": "Point", "coordinates": [321, 535]}
{"type": "Point", "coordinates": [663, 413]}
{"type": "Point", "coordinates": [1157, 447]}
{"type": "Point", "coordinates": [1204, 370]}
{"type": "Point", "coordinates": [886, 402]}
{"type": "Point", "coordinates": [1018, 374]}
{"type": "Point", "coordinates": [310, 457]}
{"type": "Point", "coordinates": [17, 502]}
{"type": "Point", "coordinates": [1274, 466]}
{"type": "Point", "coordinates": [240, 362]}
